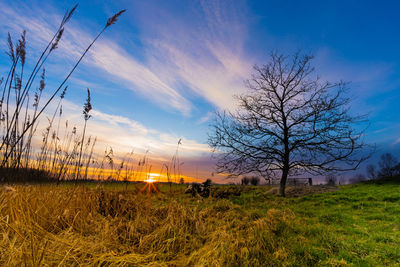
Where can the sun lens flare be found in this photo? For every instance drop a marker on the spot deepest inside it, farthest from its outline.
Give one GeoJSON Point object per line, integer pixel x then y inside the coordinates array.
{"type": "Point", "coordinates": [150, 180]}
{"type": "Point", "coordinates": [151, 177]}
{"type": "Point", "coordinates": [150, 186]}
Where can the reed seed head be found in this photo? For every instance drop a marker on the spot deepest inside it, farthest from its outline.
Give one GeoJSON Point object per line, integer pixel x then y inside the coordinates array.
{"type": "Point", "coordinates": [18, 83]}
{"type": "Point", "coordinates": [42, 83]}
{"type": "Point", "coordinates": [87, 107]}
{"type": "Point", "coordinates": [68, 15]}
{"type": "Point", "coordinates": [114, 18]}
{"type": "Point", "coordinates": [36, 100]}
{"type": "Point", "coordinates": [64, 92]}
{"type": "Point", "coordinates": [10, 52]}
{"type": "Point", "coordinates": [58, 38]}
{"type": "Point", "coordinates": [21, 48]}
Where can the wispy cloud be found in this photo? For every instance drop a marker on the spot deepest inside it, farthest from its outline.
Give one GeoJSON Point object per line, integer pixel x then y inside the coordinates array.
{"type": "Point", "coordinates": [113, 59]}
{"type": "Point", "coordinates": [205, 58]}
{"type": "Point", "coordinates": [397, 141]}
{"type": "Point", "coordinates": [205, 118]}
{"type": "Point", "coordinates": [205, 54]}
{"type": "Point", "coordinates": [124, 134]}
{"type": "Point", "coordinates": [106, 55]}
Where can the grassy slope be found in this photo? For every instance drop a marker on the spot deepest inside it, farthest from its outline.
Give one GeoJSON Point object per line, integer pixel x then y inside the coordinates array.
{"type": "Point", "coordinates": [357, 225]}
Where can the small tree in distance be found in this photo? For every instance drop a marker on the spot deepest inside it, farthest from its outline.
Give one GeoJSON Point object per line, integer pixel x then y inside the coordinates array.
{"type": "Point", "coordinates": [289, 122]}
{"type": "Point", "coordinates": [387, 163]}
{"type": "Point", "coordinates": [255, 180]}
{"type": "Point", "coordinates": [371, 172]}
{"type": "Point", "coordinates": [245, 180]}
{"type": "Point", "coordinates": [357, 178]}
{"type": "Point", "coordinates": [331, 179]}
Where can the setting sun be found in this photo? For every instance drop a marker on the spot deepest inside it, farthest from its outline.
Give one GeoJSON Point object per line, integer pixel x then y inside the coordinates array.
{"type": "Point", "coordinates": [150, 180]}
{"type": "Point", "coordinates": [151, 177]}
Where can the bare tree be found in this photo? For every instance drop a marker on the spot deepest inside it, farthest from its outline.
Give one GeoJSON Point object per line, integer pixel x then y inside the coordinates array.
{"type": "Point", "coordinates": [289, 122]}
{"type": "Point", "coordinates": [245, 180]}
{"type": "Point", "coordinates": [371, 171]}
{"type": "Point", "coordinates": [342, 180]}
{"type": "Point", "coordinates": [357, 178]}
{"type": "Point", "coordinates": [255, 180]}
{"type": "Point", "coordinates": [387, 163]}
{"type": "Point", "coordinates": [331, 179]}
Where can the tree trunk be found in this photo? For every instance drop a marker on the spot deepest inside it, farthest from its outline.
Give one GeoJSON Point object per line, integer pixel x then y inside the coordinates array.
{"type": "Point", "coordinates": [285, 168]}
{"type": "Point", "coordinates": [283, 182]}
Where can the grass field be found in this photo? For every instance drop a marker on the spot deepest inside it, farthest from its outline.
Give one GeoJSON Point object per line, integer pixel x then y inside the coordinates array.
{"type": "Point", "coordinates": [357, 225]}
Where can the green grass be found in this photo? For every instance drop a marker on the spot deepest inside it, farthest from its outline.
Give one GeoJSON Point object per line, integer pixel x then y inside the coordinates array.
{"type": "Point", "coordinates": [357, 225]}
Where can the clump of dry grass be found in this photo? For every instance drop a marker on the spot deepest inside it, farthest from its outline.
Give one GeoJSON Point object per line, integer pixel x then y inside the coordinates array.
{"type": "Point", "coordinates": [62, 225]}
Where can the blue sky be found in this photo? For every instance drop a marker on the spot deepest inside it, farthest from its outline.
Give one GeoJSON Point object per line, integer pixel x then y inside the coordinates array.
{"type": "Point", "coordinates": [157, 74]}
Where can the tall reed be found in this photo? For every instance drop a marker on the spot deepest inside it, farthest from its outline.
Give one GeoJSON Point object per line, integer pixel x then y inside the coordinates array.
{"type": "Point", "coordinates": [87, 107]}
{"type": "Point", "coordinates": [18, 123]}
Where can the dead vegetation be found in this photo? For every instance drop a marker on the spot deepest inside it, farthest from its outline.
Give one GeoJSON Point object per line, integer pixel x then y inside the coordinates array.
{"type": "Point", "coordinates": [70, 225]}
{"type": "Point", "coordinates": [111, 225]}
{"type": "Point", "coordinates": [227, 191]}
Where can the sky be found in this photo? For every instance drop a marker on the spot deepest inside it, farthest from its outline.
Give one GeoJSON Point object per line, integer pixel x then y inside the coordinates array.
{"type": "Point", "coordinates": [157, 75]}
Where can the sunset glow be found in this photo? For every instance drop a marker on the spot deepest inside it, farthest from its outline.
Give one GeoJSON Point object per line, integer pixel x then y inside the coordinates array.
{"type": "Point", "coordinates": [150, 180]}
{"type": "Point", "coordinates": [199, 133]}
{"type": "Point", "coordinates": [158, 76]}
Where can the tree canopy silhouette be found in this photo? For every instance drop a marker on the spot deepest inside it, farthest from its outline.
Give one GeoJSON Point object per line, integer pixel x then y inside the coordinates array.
{"type": "Point", "coordinates": [287, 123]}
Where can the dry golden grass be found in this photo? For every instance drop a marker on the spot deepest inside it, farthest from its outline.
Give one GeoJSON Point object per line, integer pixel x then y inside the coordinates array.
{"type": "Point", "coordinates": [61, 225]}
{"type": "Point", "coordinates": [89, 225]}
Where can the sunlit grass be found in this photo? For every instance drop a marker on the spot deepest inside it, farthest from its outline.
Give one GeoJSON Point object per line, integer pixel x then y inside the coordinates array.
{"type": "Point", "coordinates": [109, 224]}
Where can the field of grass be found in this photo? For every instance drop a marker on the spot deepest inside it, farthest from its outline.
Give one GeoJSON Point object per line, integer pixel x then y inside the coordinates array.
{"type": "Point", "coordinates": [357, 225]}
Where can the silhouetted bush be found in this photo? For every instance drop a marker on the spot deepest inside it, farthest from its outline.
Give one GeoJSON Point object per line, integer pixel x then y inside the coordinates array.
{"type": "Point", "coordinates": [245, 180]}
{"type": "Point", "coordinates": [331, 179]}
{"type": "Point", "coordinates": [255, 180]}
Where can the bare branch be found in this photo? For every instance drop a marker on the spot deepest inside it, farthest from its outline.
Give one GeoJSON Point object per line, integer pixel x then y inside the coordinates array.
{"type": "Point", "coordinates": [290, 122]}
